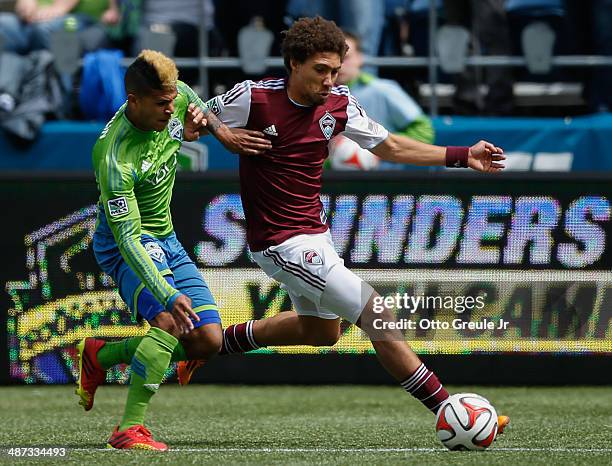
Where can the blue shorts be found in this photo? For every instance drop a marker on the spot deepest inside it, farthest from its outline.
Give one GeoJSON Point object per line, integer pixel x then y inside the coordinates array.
{"type": "Point", "coordinates": [173, 263]}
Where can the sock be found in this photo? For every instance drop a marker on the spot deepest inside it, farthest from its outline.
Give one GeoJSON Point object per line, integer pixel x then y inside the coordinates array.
{"type": "Point", "coordinates": [148, 366]}
{"type": "Point", "coordinates": [117, 352]}
{"type": "Point", "coordinates": [425, 387]}
{"type": "Point", "coordinates": [238, 339]}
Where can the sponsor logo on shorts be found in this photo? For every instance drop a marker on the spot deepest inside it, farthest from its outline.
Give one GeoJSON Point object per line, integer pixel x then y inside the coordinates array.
{"type": "Point", "coordinates": [175, 129]}
{"type": "Point", "coordinates": [118, 207]}
{"type": "Point", "coordinates": [327, 123]}
{"type": "Point", "coordinates": [312, 257]}
{"type": "Point", "coordinates": [154, 251]}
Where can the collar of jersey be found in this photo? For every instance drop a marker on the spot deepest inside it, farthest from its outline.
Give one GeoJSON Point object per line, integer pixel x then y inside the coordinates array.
{"type": "Point", "coordinates": [297, 104]}
{"type": "Point", "coordinates": [132, 127]}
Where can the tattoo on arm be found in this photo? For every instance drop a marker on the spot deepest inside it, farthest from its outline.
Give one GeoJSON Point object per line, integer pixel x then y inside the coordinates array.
{"type": "Point", "coordinates": [213, 123]}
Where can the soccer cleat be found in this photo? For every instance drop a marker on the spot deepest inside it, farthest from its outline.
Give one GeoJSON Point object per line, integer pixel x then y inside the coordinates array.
{"type": "Point", "coordinates": [134, 438]}
{"type": "Point", "coordinates": [502, 423]}
{"type": "Point", "coordinates": [185, 369]}
{"type": "Point", "coordinates": [91, 374]}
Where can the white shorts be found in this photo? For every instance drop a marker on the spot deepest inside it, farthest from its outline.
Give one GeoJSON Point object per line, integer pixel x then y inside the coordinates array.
{"type": "Point", "coordinates": [315, 277]}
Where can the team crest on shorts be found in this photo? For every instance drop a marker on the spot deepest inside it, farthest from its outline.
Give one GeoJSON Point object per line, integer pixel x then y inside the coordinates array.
{"type": "Point", "coordinates": [312, 257]}
{"type": "Point", "coordinates": [175, 129]}
{"type": "Point", "coordinates": [327, 124]}
{"type": "Point", "coordinates": [154, 251]}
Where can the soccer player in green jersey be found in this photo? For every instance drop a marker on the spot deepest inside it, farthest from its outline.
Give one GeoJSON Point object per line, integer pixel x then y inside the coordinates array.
{"type": "Point", "coordinates": [135, 163]}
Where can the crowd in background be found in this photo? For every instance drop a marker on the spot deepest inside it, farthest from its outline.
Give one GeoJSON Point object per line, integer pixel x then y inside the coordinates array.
{"type": "Point", "coordinates": [383, 27]}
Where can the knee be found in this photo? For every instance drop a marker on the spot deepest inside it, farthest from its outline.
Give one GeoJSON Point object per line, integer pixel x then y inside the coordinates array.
{"type": "Point", "coordinates": [166, 322]}
{"type": "Point", "coordinates": [204, 342]}
{"type": "Point", "coordinates": [324, 336]}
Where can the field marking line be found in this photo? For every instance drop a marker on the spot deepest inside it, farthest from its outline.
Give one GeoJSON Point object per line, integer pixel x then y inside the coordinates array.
{"type": "Point", "coordinates": [359, 450]}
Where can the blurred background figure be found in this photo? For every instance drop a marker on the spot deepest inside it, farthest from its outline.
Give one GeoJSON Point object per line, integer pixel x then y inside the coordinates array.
{"type": "Point", "coordinates": [383, 100]}
{"type": "Point", "coordinates": [487, 21]}
{"type": "Point", "coordinates": [590, 27]}
{"type": "Point", "coordinates": [364, 18]}
{"type": "Point", "coordinates": [31, 25]}
{"type": "Point", "coordinates": [550, 16]}
{"type": "Point", "coordinates": [181, 19]}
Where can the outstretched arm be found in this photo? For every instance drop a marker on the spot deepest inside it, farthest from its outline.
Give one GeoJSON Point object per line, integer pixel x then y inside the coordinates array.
{"type": "Point", "coordinates": [482, 156]}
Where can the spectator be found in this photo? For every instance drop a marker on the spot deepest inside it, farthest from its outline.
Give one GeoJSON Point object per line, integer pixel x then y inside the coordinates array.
{"type": "Point", "coordinates": [591, 30]}
{"type": "Point", "coordinates": [365, 18]}
{"type": "Point", "coordinates": [394, 40]}
{"type": "Point", "coordinates": [522, 13]}
{"type": "Point", "coordinates": [488, 22]}
{"type": "Point", "coordinates": [183, 18]}
{"type": "Point", "coordinates": [33, 22]}
{"type": "Point", "coordinates": [418, 20]}
{"type": "Point", "coordinates": [383, 100]}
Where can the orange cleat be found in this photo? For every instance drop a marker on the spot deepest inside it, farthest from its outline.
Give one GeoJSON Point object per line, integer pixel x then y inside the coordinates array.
{"type": "Point", "coordinates": [134, 438]}
{"type": "Point", "coordinates": [185, 369]}
{"type": "Point", "coordinates": [91, 374]}
{"type": "Point", "coordinates": [502, 423]}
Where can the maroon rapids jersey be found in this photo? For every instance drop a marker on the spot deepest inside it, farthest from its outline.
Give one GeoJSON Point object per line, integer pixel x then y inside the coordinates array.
{"type": "Point", "coordinates": [281, 189]}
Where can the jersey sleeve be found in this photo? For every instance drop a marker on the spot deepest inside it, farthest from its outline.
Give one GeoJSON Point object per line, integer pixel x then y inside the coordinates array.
{"type": "Point", "coordinates": [116, 184]}
{"type": "Point", "coordinates": [233, 107]}
{"type": "Point", "coordinates": [190, 95]}
{"type": "Point", "coordinates": [360, 128]}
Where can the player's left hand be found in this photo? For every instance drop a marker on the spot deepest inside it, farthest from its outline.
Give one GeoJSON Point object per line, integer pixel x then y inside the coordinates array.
{"type": "Point", "coordinates": [485, 157]}
{"type": "Point", "coordinates": [195, 124]}
{"type": "Point", "coordinates": [247, 142]}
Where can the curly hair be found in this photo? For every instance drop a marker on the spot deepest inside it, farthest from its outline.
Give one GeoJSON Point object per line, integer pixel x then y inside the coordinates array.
{"type": "Point", "coordinates": [151, 71]}
{"type": "Point", "coordinates": [308, 36]}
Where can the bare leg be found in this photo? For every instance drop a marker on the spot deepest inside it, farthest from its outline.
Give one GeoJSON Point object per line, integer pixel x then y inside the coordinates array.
{"type": "Point", "coordinates": [391, 348]}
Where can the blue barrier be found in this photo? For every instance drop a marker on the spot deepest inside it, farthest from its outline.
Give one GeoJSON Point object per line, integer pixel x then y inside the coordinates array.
{"type": "Point", "coordinates": [541, 144]}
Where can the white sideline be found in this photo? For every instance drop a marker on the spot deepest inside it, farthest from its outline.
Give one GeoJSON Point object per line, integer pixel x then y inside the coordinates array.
{"type": "Point", "coordinates": [358, 450]}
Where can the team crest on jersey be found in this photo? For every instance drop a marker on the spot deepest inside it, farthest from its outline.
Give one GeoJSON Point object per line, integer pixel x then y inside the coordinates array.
{"type": "Point", "coordinates": [175, 129]}
{"type": "Point", "coordinates": [312, 257]}
{"type": "Point", "coordinates": [117, 207]}
{"type": "Point", "coordinates": [146, 164]}
{"type": "Point", "coordinates": [327, 124]}
{"type": "Point", "coordinates": [154, 251]}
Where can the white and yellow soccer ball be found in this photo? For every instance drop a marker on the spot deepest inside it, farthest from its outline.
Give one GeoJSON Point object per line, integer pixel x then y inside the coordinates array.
{"type": "Point", "coordinates": [345, 154]}
{"type": "Point", "coordinates": [466, 421]}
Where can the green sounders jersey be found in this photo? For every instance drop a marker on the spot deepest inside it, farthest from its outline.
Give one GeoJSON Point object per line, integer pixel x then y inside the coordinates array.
{"type": "Point", "coordinates": [135, 173]}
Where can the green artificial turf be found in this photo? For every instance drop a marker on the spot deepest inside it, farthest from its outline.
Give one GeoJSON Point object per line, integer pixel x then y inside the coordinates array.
{"type": "Point", "coordinates": [307, 425]}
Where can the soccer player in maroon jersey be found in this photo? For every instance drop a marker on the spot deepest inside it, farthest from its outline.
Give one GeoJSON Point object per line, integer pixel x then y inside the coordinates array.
{"type": "Point", "coordinates": [286, 223]}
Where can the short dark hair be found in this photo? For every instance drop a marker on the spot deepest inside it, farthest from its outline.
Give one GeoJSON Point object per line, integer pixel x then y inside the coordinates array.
{"type": "Point", "coordinates": [308, 36]}
{"type": "Point", "coordinates": [150, 71]}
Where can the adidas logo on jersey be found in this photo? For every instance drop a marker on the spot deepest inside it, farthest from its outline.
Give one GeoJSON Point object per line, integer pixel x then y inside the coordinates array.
{"type": "Point", "coordinates": [271, 131]}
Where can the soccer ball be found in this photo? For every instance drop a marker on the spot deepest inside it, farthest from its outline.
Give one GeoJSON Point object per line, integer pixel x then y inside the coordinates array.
{"type": "Point", "coordinates": [346, 154]}
{"type": "Point", "coordinates": [466, 421]}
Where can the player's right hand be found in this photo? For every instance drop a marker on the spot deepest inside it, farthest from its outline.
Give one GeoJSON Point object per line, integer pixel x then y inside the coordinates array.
{"type": "Point", "coordinates": [247, 142]}
{"type": "Point", "coordinates": [182, 311]}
